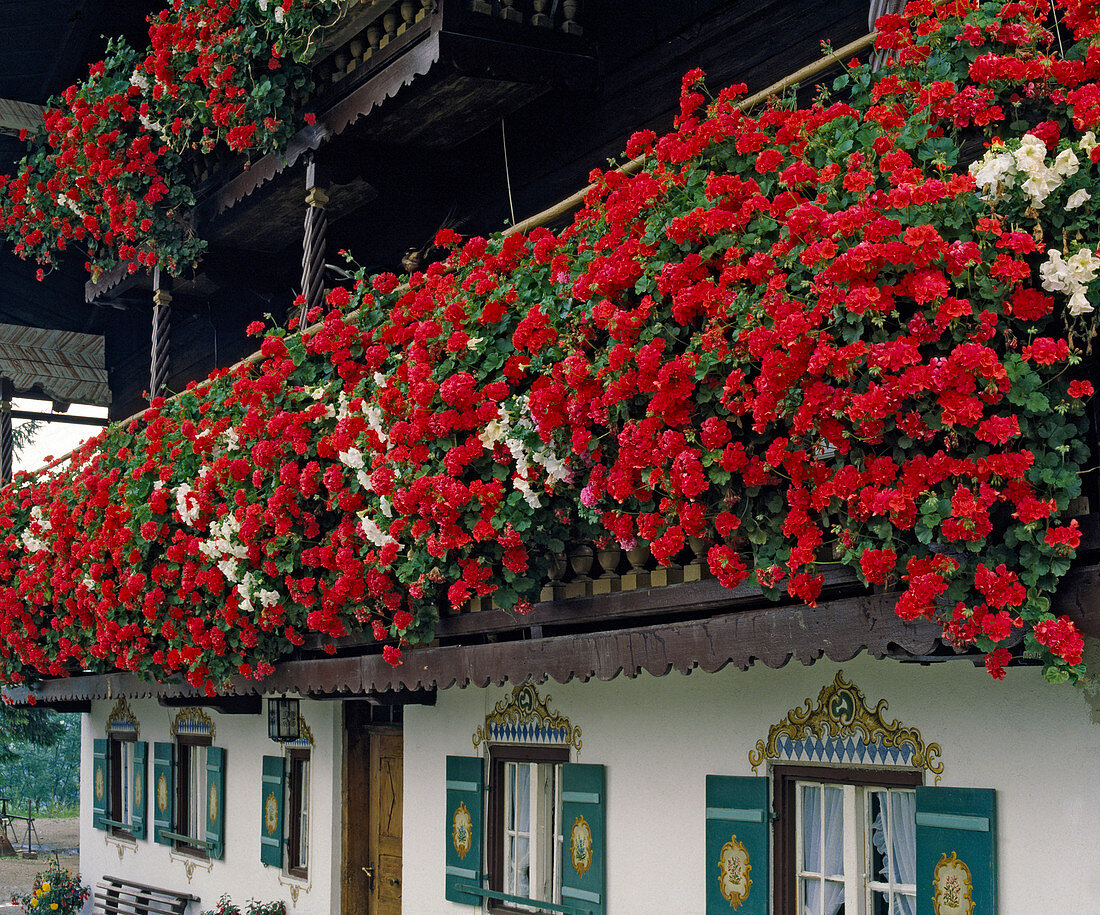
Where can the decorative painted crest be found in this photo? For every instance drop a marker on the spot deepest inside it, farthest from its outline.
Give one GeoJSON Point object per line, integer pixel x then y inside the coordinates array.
{"type": "Point", "coordinates": [954, 891]}
{"type": "Point", "coordinates": [525, 718]}
{"type": "Point", "coordinates": [305, 737]}
{"type": "Point", "coordinates": [99, 783]}
{"type": "Point", "coordinates": [138, 791]}
{"type": "Point", "coordinates": [162, 793]}
{"type": "Point", "coordinates": [733, 872]}
{"type": "Point", "coordinates": [842, 728]}
{"type": "Point", "coordinates": [271, 814]}
{"type": "Point", "coordinates": [212, 802]}
{"type": "Point", "coordinates": [193, 721]}
{"type": "Point", "coordinates": [122, 720]}
{"type": "Point", "coordinates": [462, 830]}
{"type": "Point", "coordinates": [580, 845]}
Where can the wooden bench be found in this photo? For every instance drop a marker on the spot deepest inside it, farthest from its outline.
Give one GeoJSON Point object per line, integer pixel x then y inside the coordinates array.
{"type": "Point", "coordinates": [115, 896]}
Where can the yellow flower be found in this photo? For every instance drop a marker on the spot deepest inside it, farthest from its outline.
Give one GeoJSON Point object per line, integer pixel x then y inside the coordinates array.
{"type": "Point", "coordinates": [34, 902]}
{"type": "Point", "coordinates": [46, 886]}
{"type": "Point", "coordinates": [53, 905]}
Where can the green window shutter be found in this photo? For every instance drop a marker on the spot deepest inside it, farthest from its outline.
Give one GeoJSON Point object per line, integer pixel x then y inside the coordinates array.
{"type": "Point", "coordinates": [164, 790]}
{"type": "Point", "coordinates": [101, 783]}
{"type": "Point", "coordinates": [272, 795]}
{"type": "Point", "coordinates": [465, 777]}
{"type": "Point", "coordinates": [956, 850]}
{"type": "Point", "coordinates": [584, 837]}
{"type": "Point", "coordinates": [137, 798]}
{"type": "Point", "coordinates": [215, 802]}
{"type": "Point", "coordinates": [737, 824]}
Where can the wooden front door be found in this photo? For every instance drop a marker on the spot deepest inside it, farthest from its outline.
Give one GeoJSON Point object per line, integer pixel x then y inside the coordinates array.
{"type": "Point", "coordinates": [372, 818]}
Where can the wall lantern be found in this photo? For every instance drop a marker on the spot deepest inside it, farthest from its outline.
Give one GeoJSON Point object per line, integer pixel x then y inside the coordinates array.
{"type": "Point", "coordinates": [282, 719]}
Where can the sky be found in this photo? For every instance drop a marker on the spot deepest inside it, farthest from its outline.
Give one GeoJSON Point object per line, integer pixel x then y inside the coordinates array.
{"type": "Point", "coordinates": [55, 439]}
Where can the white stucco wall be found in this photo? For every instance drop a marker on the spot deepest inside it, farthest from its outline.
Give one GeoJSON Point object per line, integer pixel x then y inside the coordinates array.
{"type": "Point", "coordinates": [240, 873]}
{"type": "Point", "coordinates": [660, 737]}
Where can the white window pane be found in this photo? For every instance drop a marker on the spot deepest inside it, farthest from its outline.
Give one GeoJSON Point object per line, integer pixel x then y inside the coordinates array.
{"type": "Point", "coordinates": [905, 904]}
{"type": "Point", "coordinates": [303, 831]}
{"type": "Point", "coordinates": [811, 828]}
{"type": "Point", "coordinates": [523, 866]}
{"type": "Point", "coordinates": [811, 897]}
{"type": "Point", "coordinates": [127, 780]}
{"type": "Point", "coordinates": [197, 794]}
{"type": "Point", "coordinates": [523, 799]}
{"type": "Point", "coordinates": [834, 897]}
{"type": "Point", "coordinates": [878, 867]}
{"type": "Point", "coordinates": [834, 831]}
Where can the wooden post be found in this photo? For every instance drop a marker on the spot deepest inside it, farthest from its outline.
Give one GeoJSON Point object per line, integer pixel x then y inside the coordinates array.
{"type": "Point", "coordinates": [7, 435]}
{"type": "Point", "coordinates": [162, 330]}
{"type": "Point", "coordinates": [313, 244]}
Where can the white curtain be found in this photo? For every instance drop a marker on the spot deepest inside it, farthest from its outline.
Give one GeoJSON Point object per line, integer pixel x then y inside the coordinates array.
{"type": "Point", "coordinates": [903, 824]}
{"type": "Point", "coordinates": [823, 848]}
{"type": "Point", "coordinates": [902, 855]}
{"type": "Point", "coordinates": [521, 820]}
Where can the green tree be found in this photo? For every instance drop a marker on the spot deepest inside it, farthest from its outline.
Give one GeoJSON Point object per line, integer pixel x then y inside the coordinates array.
{"type": "Point", "coordinates": [23, 726]}
{"type": "Point", "coordinates": [44, 771]}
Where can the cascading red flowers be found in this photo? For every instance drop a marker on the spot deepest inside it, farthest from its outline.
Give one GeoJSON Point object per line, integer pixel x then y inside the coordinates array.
{"type": "Point", "coordinates": [847, 334]}
{"type": "Point", "coordinates": [111, 171]}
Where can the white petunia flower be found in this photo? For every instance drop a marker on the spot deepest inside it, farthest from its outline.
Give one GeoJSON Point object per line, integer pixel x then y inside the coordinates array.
{"type": "Point", "coordinates": [1077, 198]}
{"type": "Point", "coordinates": [352, 458]}
{"type": "Point", "coordinates": [1066, 164]}
{"type": "Point", "coordinates": [373, 532]}
{"type": "Point", "coordinates": [1071, 276]}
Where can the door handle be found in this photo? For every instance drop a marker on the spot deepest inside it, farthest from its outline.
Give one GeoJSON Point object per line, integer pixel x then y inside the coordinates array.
{"type": "Point", "coordinates": [369, 871]}
{"type": "Point", "coordinates": [393, 881]}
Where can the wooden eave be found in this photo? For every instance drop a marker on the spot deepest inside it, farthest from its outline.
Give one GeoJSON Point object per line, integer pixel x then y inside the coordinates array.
{"type": "Point", "coordinates": [680, 627]}
{"type": "Point", "coordinates": [64, 366]}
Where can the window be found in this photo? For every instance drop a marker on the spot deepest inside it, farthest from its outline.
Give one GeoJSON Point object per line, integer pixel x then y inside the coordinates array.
{"type": "Point", "coordinates": [297, 861]}
{"type": "Point", "coordinates": [191, 796]}
{"type": "Point", "coordinates": [524, 829]}
{"type": "Point", "coordinates": [123, 785]}
{"type": "Point", "coordinates": [845, 841]}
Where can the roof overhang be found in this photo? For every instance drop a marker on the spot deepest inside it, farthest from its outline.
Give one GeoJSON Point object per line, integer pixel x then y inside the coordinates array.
{"type": "Point", "coordinates": [15, 117]}
{"type": "Point", "coordinates": [64, 366]}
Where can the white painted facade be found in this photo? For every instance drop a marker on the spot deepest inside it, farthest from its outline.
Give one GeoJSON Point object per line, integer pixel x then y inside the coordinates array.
{"type": "Point", "coordinates": [239, 872]}
{"type": "Point", "coordinates": [1037, 745]}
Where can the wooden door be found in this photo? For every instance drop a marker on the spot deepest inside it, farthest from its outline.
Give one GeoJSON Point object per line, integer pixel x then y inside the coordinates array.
{"type": "Point", "coordinates": [371, 818]}
{"type": "Point", "coordinates": [384, 829]}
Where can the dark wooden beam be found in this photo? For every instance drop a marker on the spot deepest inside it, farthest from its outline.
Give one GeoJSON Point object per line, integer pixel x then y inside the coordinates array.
{"type": "Point", "coordinates": [67, 705]}
{"type": "Point", "coordinates": [59, 418]}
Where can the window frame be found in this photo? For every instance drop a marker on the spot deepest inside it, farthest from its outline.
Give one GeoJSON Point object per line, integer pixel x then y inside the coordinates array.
{"type": "Point", "coordinates": [188, 794]}
{"type": "Point", "coordinates": [293, 811]}
{"type": "Point", "coordinates": [115, 740]}
{"type": "Point", "coordinates": [499, 756]}
{"type": "Point", "coordinates": [784, 805]}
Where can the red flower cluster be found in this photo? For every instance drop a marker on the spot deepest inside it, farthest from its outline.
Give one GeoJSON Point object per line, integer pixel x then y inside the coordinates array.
{"type": "Point", "coordinates": [799, 337]}
{"type": "Point", "coordinates": [109, 171]}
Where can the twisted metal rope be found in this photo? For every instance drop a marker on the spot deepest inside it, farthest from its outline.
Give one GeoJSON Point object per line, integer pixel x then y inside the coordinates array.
{"type": "Point", "coordinates": [313, 252]}
{"type": "Point", "coordinates": [7, 434]}
{"type": "Point", "coordinates": [162, 328]}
